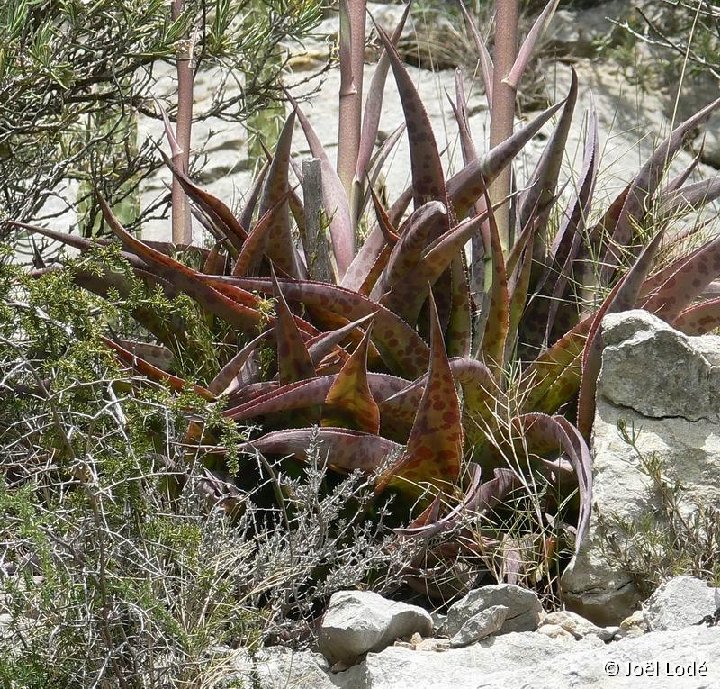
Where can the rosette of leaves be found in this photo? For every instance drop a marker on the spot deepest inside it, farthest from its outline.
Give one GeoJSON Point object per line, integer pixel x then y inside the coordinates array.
{"type": "Point", "coordinates": [379, 354]}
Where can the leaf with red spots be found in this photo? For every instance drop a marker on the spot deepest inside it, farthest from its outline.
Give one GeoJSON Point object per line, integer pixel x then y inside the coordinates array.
{"type": "Point", "coordinates": [553, 378]}
{"type": "Point", "coordinates": [428, 179]}
{"type": "Point", "coordinates": [238, 372]}
{"type": "Point", "coordinates": [334, 200]}
{"type": "Point", "coordinates": [215, 261]}
{"type": "Point", "coordinates": [306, 394]}
{"type": "Point", "coordinates": [342, 448]}
{"type": "Point", "coordinates": [402, 349]}
{"type": "Point", "coordinates": [687, 282]}
{"type": "Point", "coordinates": [458, 334]}
{"type": "Point", "coordinates": [497, 326]}
{"type": "Point", "coordinates": [405, 295]}
{"type": "Point", "coordinates": [326, 343]}
{"type": "Point", "coordinates": [468, 185]}
{"type": "Point", "coordinates": [391, 239]}
{"type": "Point", "coordinates": [644, 186]}
{"type": "Point", "coordinates": [368, 253]}
{"type": "Point", "coordinates": [253, 195]}
{"type": "Point", "coordinates": [551, 433]}
{"type": "Point", "coordinates": [293, 359]}
{"type": "Point", "coordinates": [681, 201]}
{"type": "Point", "coordinates": [373, 104]}
{"type": "Point", "coordinates": [212, 206]}
{"type": "Point", "coordinates": [349, 402]}
{"type": "Point", "coordinates": [621, 298]}
{"type": "Point", "coordinates": [255, 247]}
{"type": "Point", "coordinates": [536, 201]}
{"type": "Point", "coordinates": [699, 319]}
{"type": "Point", "coordinates": [279, 245]}
{"type": "Point", "coordinates": [434, 450]}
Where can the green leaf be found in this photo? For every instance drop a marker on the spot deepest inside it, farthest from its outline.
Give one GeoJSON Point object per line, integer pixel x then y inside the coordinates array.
{"type": "Point", "coordinates": [349, 402]}
{"type": "Point", "coordinates": [434, 450]}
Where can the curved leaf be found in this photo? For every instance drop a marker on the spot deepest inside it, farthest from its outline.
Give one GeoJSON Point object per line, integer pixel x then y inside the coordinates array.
{"type": "Point", "coordinates": [341, 448]}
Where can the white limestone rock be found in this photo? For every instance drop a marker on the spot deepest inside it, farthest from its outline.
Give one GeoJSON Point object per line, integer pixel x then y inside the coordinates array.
{"type": "Point", "coordinates": [360, 621]}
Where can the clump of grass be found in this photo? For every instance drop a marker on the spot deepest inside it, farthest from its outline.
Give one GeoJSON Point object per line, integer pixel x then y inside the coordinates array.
{"type": "Point", "coordinates": [677, 535]}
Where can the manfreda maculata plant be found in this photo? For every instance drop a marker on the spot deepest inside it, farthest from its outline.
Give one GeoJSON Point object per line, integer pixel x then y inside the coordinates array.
{"type": "Point", "coordinates": [380, 352]}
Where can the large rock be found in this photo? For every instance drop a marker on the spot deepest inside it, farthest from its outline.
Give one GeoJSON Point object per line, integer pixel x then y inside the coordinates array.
{"type": "Point", "coordinates": [680, 602]}
{"type": "Point", "coordinates": [359, 621]}
{"type": "Point", "coordinates": [666, 386]}
{"type": "Point", "coordinates": [684, 659]}
{"type": "Point", "coordinates": [523, 609]}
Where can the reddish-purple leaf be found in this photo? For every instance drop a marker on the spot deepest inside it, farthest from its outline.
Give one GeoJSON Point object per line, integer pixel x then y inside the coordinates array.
{"type": "Point", "coordinates": [255, 246]}
{"type": "Point", "coordinates": [690, 278]}
{"type": "Point", "coordinates": [402, 349]}
{"type": "Point", "coordinates": [212, 206]}
{"type": "Point", "coordinates": [373, 104]}
{"type": "Point", "coordinates": [324, 344]}
{"type": "Point", "coordinates": [293, 359]}
{"type": "Point", "coordinates": [272, 399]}
{"type": "Point", "coordinates": [366, 257]}
{"type": "Point", "coordinates": [528, 46]}
{"type": "Point", "coordinates": [237, 373]}
{"type": "Point", "coordinates": [554, 376]}
{"type": "Point", "coordinates": [334, 199]}
{"type": "Point", "coordinates": [237, 309]}
{"type": "Point", "coordinates": [537, 199]}
{"type": "Point", "coordinates": [622, 298]}
{"type": "Point", "coordinates": [486, 62]}
{"type": "Point", "coordinates": [405, 295]}
{"type": "Point", "coordinates": [253, 195]}
{"type": "Point", "coordinates": [558, 433]}
{"type": "Point", "coordinates": [428, 179]}
{"type": "Point", "coordinates": [699, 318]}
{"type": "Point", "coordinates": [644, 186]}
{"type": "Point", "coordinates": [153, 372]}
{"type": "Point", "coordinates": [341, 448]}
{"type": "Point", "coordinates": [692, 197]}
{"type": "Point", "coordinates": [279, 245]}
{"type": "Point", "coordinates": [464, 188]}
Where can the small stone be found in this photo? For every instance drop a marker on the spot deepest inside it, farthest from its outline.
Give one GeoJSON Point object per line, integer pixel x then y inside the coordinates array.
{"type": "Point", "coordinates": [577, 626]}
{"type": "Point", "coordinates": [360, 621]}
{"type": "Point", "coordinates": [523, 612]}
{"type": "Point", "coordinates": [480, 625]}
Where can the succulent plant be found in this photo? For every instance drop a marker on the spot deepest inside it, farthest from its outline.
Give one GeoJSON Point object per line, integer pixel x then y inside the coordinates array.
{"type": "Point", "coordinates": [383, 351]}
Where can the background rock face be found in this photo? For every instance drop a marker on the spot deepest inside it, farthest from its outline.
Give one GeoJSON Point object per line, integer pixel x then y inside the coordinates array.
{"type": "Point", "coordinates": [664, 385]}
{"type": "Point", "coordinates": [630, 119]}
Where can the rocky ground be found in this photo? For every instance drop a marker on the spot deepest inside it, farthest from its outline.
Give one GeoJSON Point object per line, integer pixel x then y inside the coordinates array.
{"type": "Point", "coordinates": [497, 637]}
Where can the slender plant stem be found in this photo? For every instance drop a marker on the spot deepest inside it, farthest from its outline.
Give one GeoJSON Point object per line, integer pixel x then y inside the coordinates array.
{"type": "Point", "coordinates": [181, 219]}
{"type": "Point", "coordinates": [352, 59]}
{"type": "Point", "coordinates": [503, 107]}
